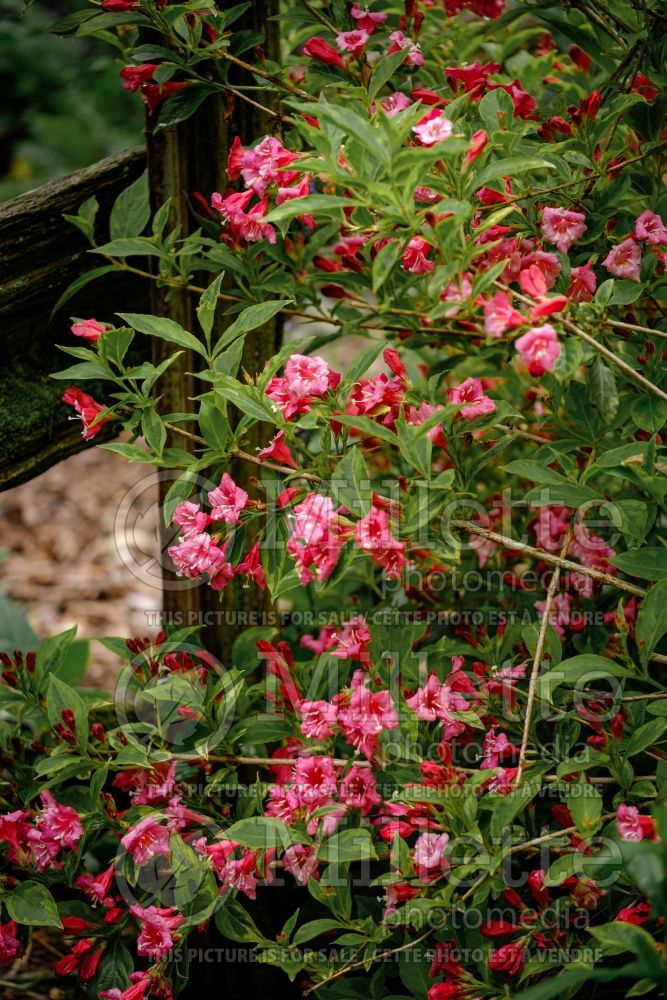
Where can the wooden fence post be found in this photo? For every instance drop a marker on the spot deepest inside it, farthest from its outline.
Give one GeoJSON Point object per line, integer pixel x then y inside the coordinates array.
{"type": "Point", "coordinates": [190, 157]}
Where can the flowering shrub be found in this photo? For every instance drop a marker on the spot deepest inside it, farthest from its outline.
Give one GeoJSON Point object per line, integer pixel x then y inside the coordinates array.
{"type": "Point", "coordinates": [455, 716]}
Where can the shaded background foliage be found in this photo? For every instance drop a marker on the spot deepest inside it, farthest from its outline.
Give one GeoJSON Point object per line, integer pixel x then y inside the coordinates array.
{"type": "Point", "coordinates": [62, 107]}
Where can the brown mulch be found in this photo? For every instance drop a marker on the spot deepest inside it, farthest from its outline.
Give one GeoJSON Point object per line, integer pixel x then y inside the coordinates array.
{"type": "Point", "coordinates": [65, 555]}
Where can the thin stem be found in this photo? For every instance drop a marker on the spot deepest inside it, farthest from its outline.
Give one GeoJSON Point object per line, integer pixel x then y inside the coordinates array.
{"type": "Point", "coordinates": [575, 567]}
{"type": "Point", "coordinates": [246, 456]}
{"type": "Point", "coordinates": [266, 76]}
{"type": "Point", "coordinates": [512, 199]}
{"type": "Point", "coordinates": [529, 844]}
{"type": "Point", "coordinates": [636, 328]}
{"type": "Point", "coordinates": [537, 659]}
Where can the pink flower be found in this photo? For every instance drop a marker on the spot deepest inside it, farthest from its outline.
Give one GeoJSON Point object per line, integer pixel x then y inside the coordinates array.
{"type": "Point", "coordinates": [262, 165]}
{"type": "Point", "coordinates": [197, 554]}
{"type": "Point", "coordinates": [190, 517]}
{"type": "Point", "coordinates": [315, 539]}
{"type": "Point", "coordinates": [374, 536]}
{"type": "Point", "coordinates": [495, 748]}
{"type": "Point", "coordinates": [429, 851]}
{"type": "Point", "coordinates": [425, 702]}
{"type": "Point", "coordinates": [500, 316]}
{"type": "Point", "coordinates": [358, 789]}
{"type": "Point", "coordinates": [146, 840]}
{"type": "Point", "coordinates": [538, 349]}
{"type": "Point", "coordinates": [366, 19]}
{"type": "Point", "coordinates": [325, 640]}
{"type": "Point", "coordinates": [251, 566]}
{"type": "Point", "coordinates": [277, 451]}
{"type": "Point", "coordinates": [318, 719]}
{"type": "Point", "coordinates": [88, 410]}
{"type": "Point", "coordinates": [509, 958]}
{"type": "Point", "coordinates": [539, 262]}
{"type": "Point", "coordinates": [651, 228]}
{"type": "Point", "coordinates": [582, 284]}
{"type": "Point", "coordinates": [241, 226]}
{"type": "Point", "coordinates": [624, 260]}
{"type": "Point", "coordinates": [301, 862]}
{"type": "Point", "coordinates": [306, 379]}
{"type": "Point", "coordinates": [59, 824]}
{"type": "Point", "coordinates": [416, 415]}
{"type": "Point", "coordinates": [307, 376]}
{"type": "Point", "coordinates": [477, 146]}
{"type": "Point", "coordinates": [134, 77]}
{"type": "Point", "coordinates": [318, 48]}
{"type": "Point", "coordinates": [395, 103]}
{"type": "Point", "coordinates": [550, 527]}
{"type": "Point", "coordinates": [471, 392]}
{"type": "Point", "coordinates": [444, 991]}
{"type": "Point", "coordinates": [314, 780]}
{"type": "Point", "coordinates": [367, 715]}
{"type": "Point", "coordinates": [98, 886]}
{"type": "Point", "coordinates": [353, 640]}
{"type": "Point", "coordinates": [413, 51]}
{"type": "Point", "coordinates": [433, 128]}
{"type": "Point", "coordinates": [353, 41]}
{"type": "Point", "coordinates": [9, 943]}
{"type": "Point", "coordinates": [227, 501]}
{"type": "Point", "coordinates": [89, 329]}
{"type": "Point", "coordinates": [563, 227]}
{"type": "Point", "coordinates": [415, 257]}
{"type": "Point", "coordinates": [157, 923]}
{"type": "Point", "coordinates": [631, 825]}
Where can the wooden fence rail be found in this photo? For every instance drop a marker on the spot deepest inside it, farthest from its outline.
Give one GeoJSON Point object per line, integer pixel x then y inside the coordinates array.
{"type": "Point", "coordinates": [40, 254]}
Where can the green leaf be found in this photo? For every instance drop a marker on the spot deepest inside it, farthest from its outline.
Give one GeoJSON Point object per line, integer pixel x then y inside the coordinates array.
{"type": "Point", "coordinates": [652, 620]}
{"type": "Point", "coordinates": [347, 846]}
{"type": "Point", "coordinates": [262, 832]}
{"type": "Point", "coordinates": [208, 304]}
{"type": "Point", "coordinates": [59, 696]}
{"type": "Point", "coordinates": [248, 399]}
{"type": "Point", "coordinates": [352, 124]}
{"type": "Point", "coordinates": [182, 104]}
{"type": "Point", "coordinates": [602, 390]}
{"type": "Point", "coordinates": [508, 807]}
{"type": "Point", "coordinates": [138, 246]}
{"type": "Point", "coordinates": [647, 563]}
{"type": "Point", "coordinates": [645, 737]}
{"type": "Point", "coordinates": [115, 968]}
{"type": "Point", "coordinates": [131, 210]}
{"type": "Point", "coordinates": [367, 426]}
{"type": "Point", "coordinates": [85, 370]}
{"type": "Point", "coordinates": [80, 282]}
{"type": "Point", "coordinates": [649, 413]}
{"type": "Point", "coordinates": [212, 421]}
{"type": "Point", "coordinates": [314, 928]}
{"type": "Point", "coordinates": [250, 319]}
{"type": "Point", "coordinates": [195, 887]}
{"type": "Point", "coordinates": [32, 905]}
{"type": "Point", "coordinates": [164, 329]}
{"type": "Point", "coordinates": [310, 204]}
{"type": "Point", "coordinates": [511, 166]}
{"type": "Point", "coordinates": [363, 362]}
{"type": "Point", "coordinates": [384, 263]}
{"type": "Point", "coordinates": [351, 484]}
{"type": "Point", "coordinates": [585, 804]}
{"type": "Point", "coordinates": [383, 70]}
{"type": "Point", "coordinates": [154, 431]}
{"type": "Point", "coordinates": [537, 472]}
{"type": "Point", "coordinates": [568, 494]}
{"type": "Point", "coordinates": [235, 923]}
